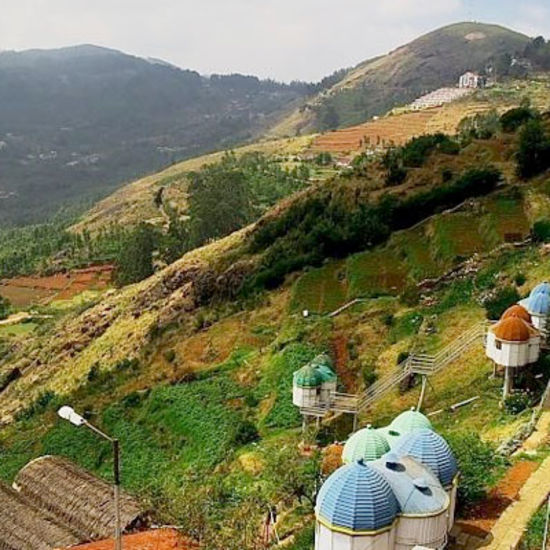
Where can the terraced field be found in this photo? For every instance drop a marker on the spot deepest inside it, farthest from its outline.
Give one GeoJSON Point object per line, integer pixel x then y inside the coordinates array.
{"type": "Point", "coordinates": [411, 256]}
{"type": "Point", "coordinates": [321, 290]}
{"type": "Point", "coordinates": [26, 291]}
{"type": "Point", "coordinates": [384, 132]}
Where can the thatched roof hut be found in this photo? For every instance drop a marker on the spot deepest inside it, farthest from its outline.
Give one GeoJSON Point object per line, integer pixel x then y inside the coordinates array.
{"type": "Point", "coordinates": [76, 498]}
{"type": "Point", "coordinates": [22, 525]}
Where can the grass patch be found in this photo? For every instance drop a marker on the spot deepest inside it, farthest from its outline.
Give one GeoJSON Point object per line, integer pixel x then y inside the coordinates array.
{"type": "Point", "coordinates": [320, 290]}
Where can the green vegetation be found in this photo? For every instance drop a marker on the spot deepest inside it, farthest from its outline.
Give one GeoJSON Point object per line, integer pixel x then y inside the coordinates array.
{"type": "Point", "coordinates": [479, 467]}
{"type": "Point", "coordinates": [497, 303]}
{"type": "Point", "coordinates": [326, 225]}
{"type": "Point", "coordinates": [533, 156]}
{"type": "Point", "coordinates": [238, 190]}
{"type": "Point", "coordinates": [135, 260]}
{"type": "Point", "coordinates": [534, 536]}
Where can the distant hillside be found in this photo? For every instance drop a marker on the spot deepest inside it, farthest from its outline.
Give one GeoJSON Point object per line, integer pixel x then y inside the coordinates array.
{"type": "Point", "coordinates": [76, 122]}
{"type": "Point", "coordinates": [429, 62]}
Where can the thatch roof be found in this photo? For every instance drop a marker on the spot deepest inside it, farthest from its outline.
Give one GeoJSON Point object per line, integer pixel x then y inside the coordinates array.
{"type": "Point", "coordinates": [25, 527]}
{"type": "Point", "coordinates": [75, 498]}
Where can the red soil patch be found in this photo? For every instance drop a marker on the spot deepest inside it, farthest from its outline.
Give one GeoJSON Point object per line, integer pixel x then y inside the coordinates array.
{"type": "Point", "coordinates": [159, 539]}
{"type": "Point", "coordinates": [484, 515]}
{"type": "Point", "coordinates": [340, 353]}
{"type": "Point", "coordinates": [24, 291]}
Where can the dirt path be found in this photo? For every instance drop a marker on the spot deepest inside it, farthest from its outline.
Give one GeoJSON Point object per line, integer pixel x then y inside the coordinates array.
{"type": "Point", "coordinates": [509, 529]}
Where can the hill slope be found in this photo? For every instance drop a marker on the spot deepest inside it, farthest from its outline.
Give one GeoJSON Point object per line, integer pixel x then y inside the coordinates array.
{"type": "Point", "coordinates": [76, 122]}
{"type": "Point", "coordinates": [434, 60]}
{"type": "Point", "coordinates": [194, 375]}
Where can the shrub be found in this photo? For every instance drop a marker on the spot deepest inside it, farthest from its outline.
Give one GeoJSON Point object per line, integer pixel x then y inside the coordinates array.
{"type": "Point", "coordinates": [541, 231]}
{"type": "Point", "coordinates": [369, 375]}
{"type": "Point", "coordinates": [519, 279]}
{"type": "Point", "coordinates": [512, 119]}
{"type": "Point", "coordinates": [496, 305]}
{"type": "Point", "coordinates": [45, 400]}
{"type": "Point", "coordinates": [517, 402]}
{"type": "Point", "coordinates": [446, 175]}
{"type": "Point", "coordinates": [478, 463]}
{"type": "Point", "coordinates": [246, 432]}
{"type": "Point", "coordinates": [533, 154]}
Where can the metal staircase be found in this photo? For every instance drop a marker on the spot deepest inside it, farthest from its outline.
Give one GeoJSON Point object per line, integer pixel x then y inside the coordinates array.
{"type": "Point", "coordinates": [422, 364]}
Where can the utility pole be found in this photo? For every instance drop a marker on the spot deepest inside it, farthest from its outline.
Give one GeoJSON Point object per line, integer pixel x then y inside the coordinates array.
{"type": "Point", "coordinates": [68, 413]}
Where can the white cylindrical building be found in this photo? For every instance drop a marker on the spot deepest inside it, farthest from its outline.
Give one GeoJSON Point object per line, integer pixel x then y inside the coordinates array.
{"type": "Point", "coordinates": [356, 510]}
{"type": "Point", "coordinates": [306, 387]}
{"type": "Point", "coordinates": [512, 343]}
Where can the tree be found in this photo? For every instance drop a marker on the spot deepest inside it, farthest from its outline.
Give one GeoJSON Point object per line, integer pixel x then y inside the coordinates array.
{"type": "Point", "coordinates": [5, 307]}
{"type": "Point", "coordinates": [135, 260]}
{"type": "Point", "coordinates": [533, 155]}
{"type": "Point", "coordinates": [219, 203]}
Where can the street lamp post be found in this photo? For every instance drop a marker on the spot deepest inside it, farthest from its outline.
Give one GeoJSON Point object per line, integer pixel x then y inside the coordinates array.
{"type": "Point", "coordinates": [68, 413]}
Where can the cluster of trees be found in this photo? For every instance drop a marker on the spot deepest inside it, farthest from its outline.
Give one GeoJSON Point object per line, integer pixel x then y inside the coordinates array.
{"type": "Point", "coordinates": [327, 225]}
{"type": "Point", "coordinates": [533, 154]}
{"type": "Point", "coordinates": [223, 197]}
{"type": "Point", "coordinates": [414, 154]}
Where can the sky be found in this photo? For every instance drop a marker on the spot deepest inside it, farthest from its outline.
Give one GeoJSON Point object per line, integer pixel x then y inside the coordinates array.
{"type": "Point", "coordinates": [281, 39]}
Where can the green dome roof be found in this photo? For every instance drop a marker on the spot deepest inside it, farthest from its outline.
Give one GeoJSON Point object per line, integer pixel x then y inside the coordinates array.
{"type": "Point", "coordinates": [410, 421]}
{"type": "Point", "coordinates": [391, 434]}
{"type": "Point", "coordinates": [308, 377]}
{"type": "Point", "coordinates": [323, 364]}
{"type": "Point", "coordinates": [367, 444]}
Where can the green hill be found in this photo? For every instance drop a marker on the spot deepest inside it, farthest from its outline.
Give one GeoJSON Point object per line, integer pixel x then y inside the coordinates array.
{"type": "Point", "coordinates": [432, 61]}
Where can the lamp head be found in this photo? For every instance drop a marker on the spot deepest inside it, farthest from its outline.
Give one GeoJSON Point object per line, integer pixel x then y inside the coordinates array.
{"type": "Point", "coordinates": [68, 413]}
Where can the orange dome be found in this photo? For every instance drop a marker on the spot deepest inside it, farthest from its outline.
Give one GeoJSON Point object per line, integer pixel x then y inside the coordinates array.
{"type": "Point", "coordinates": [513, 329]}
{"type": "Point", "coordinates": [517, 311]}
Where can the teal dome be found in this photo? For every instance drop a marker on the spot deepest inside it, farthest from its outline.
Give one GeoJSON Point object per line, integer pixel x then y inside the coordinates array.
{"type": "Point", "coordinates": [308, 377]}
{"type": "Point", "coordinates": [323, 364]}
{"type": "Point", "coordinates": [356, 499]}
{"type": "Point", "coordinates": [410, 421]}
{"type": "Point", "coordinates": [367, 444]}
{"type": "Point", "coordinates": [392, 436]}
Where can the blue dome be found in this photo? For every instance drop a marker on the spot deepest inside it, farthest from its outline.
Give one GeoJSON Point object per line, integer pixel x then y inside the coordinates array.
{"type": "Point", "coordinates": [543, 288]}
{"type": "Point", "coordinates": [539, 304]}
{"type": "Point", "coordinates": [356, 498]}
{"type": "Point", "coordinates": [431, 450]}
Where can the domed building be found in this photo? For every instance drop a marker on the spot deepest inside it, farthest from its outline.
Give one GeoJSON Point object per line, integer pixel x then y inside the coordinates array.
{"type": "Point", "coordinates": [313, 384]}
{"type": "Point", "coordinates": [538, 305]}
{"type": "Point", "coordinates": [355, 509]}
{"type": "Point", "coordinates": [392, 435]}
{"type": "Point", "coordinates": [512, 343]}
{"type": "Point", "coordinates": [306, 386]}
{"type": "Point", "coordinates": [367, 444]}
{"type": "Point", "coordinates": [410, 421]}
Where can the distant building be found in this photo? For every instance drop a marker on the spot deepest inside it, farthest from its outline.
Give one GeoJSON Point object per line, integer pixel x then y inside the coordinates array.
{"type": "Point", "coordinates": [471, 80]}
